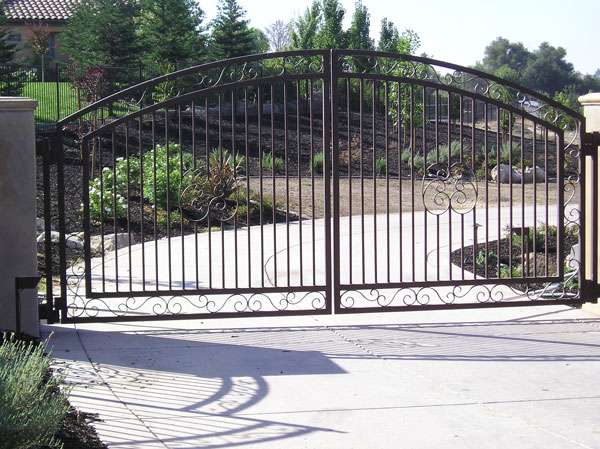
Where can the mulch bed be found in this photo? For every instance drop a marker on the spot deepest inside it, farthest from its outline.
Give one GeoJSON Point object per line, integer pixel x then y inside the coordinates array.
{"type": "Point", "coordinates": [464, 258]}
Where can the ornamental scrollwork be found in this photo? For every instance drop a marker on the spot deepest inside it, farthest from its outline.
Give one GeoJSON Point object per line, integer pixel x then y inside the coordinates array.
{"type": "Point", "coordinates": [449, 188]}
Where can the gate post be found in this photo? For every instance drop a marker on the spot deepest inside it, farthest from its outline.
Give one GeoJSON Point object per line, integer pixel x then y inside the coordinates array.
{"type": "Point", "coordinates": [18, 252]}
{"type": "Point", "coordinates": [591, 141]}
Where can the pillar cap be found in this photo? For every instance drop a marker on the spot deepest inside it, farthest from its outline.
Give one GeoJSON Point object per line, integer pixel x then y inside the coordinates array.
{"type": "Point", "coordinates": [590, 99]}
{"type": "Point", "coordinates": [17, 104]}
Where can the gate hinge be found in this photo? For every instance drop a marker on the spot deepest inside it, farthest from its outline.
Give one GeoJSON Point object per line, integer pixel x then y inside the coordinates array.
{"type": "Point", "coordinates": [591, 142]}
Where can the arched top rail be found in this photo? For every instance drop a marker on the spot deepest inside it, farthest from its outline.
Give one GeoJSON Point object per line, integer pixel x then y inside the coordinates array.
{"type": "Point", "coordinates": [322, 63]}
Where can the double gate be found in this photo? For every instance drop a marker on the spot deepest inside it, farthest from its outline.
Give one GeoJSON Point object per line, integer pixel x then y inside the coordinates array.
{"type": "Point", "coordinates": [310, 183]}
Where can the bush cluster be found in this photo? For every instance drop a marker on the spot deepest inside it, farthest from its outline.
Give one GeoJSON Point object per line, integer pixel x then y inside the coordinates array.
{"type": "Point", "coordinates": [31, 404]}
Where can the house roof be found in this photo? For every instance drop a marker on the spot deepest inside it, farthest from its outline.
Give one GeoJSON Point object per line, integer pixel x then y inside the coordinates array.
{"type": "Point", "coordinates": [51, 10]}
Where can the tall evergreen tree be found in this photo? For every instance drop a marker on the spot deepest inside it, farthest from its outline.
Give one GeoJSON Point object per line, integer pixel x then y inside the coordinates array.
{"type": "Point", "coordinates": [7, 49]}
{"type": "Point", "coordinates": [103, 33]}
{"type": "Point", "coordinates": [389, 38]}
{"type": "Point", "coordinates": [231, 35]}
{"type": "Point", "coordinates": [171, 30]}
{"type": "Point", "coordinates": [303, 31]}
{"type": "Point", "coordinates": [359, 37]}
{"type": "Point", "coordinates": [331, 33]}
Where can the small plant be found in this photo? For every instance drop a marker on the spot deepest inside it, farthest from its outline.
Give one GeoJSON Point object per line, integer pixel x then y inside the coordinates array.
{"type": "Point", "coordinates": [506, 272]}
{"type": "Point", "coordinates": [492, 260]}
{"type": "Point", "coordinates": [380, 166]}
{"type": "Point", "coordinates": [275, 165]}
{"type": "Point", "coordinates": [317, 163]}
{"type": "Point", "coordinates": [31, 404]}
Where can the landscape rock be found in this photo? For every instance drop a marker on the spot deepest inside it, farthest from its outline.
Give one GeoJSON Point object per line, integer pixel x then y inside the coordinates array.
{"type": "Point", "coordinates": [39, 223]}
{"type": "Point", "coordinates": [502, 173]}
{"type": "Point", "coordinates": [528, 175]}
{"type": "Point", "coordinates": [54, 237]}
{"type": "Point", "coordinates": [122, 240]}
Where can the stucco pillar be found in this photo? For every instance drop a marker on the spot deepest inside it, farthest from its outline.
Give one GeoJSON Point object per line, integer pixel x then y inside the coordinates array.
{"type": "Point", "coordinates": [591, 111]}
{"type": "Point", "coordinates": [18, 252]}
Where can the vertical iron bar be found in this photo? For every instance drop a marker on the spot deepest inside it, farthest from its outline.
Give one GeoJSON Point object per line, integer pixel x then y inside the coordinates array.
{"type": "Point", "coordinates": [128, 180]}
{"type": "Point", "coordinates": [168, 171]}
{"type": "Point", "coordinates": [374, 149]}
{"type": "Point", "coordinates": [387, 177]}
{"type": "Point", "coordinates": [274, 211]}
{"type": "Point", "coordinates": [362, 181]}
{"type": "Point", "coordinates": [141, 188]}
{"type": "Point", "coordinates": [247, 170]}
{"type": "Point", "coordinates": [349, 148]}
{"type": "Point", "coordinates": [400, 124]}
{"type": "Point", "coordinates": [330, 103]}
{"type": "Point", "coordinates": [299, 174]}
{"type": "Point", "coordinates": [260, 180]}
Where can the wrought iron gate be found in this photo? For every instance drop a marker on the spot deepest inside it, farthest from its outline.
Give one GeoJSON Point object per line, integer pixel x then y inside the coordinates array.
{"type": "Point", "coordinates": [315, 182]}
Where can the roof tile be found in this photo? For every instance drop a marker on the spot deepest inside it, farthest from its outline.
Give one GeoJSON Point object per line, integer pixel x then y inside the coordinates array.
{"type": "Point", "coordinates": [37, 9]}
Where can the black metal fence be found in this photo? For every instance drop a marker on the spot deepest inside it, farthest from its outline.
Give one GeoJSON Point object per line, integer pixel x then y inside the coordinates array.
{"type": "Point", "coordinates": [55, 89]}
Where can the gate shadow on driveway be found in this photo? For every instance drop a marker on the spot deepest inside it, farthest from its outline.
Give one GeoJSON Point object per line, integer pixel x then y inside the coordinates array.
{"type": "Point", "coordinates": [220, 387]}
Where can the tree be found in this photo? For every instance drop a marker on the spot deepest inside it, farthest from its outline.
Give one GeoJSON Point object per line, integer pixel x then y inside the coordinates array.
{"type": "Point", "coordinates": [103, 33]}
{"type": "Point", "coordinates": [38, 38]}
{"type": "Point", "coordinates": [231, 35]}
{"type": "Point", "coordinates": [260, 41]}
{"type": "Point", "coordinates": [548, 71]}
{"type": "Point", "coordinates": [390, 40]}
{"type": "Point", "coordinates": [501, 52]}
{"type": "Point", "coordinates": [359, 37]}
{"type": "Point", "coordinates": [303, 32]}
{"type": "Point", "coordinates": [7, 49]}
{"type": "Point", "coordinates": [389, 37]}
{"type": "Point", "coordinates": [279, 35]}
{"type": "Point", "coordinates": [331, 33]}
{"type": "Point", "coordinates": [172, 30]}
{"type": "Point", "coordinates": [12, 80]}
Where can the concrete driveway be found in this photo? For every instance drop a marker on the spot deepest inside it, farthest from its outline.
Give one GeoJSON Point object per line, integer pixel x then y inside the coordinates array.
{"type": "Point", "coordinates": [522, 378]}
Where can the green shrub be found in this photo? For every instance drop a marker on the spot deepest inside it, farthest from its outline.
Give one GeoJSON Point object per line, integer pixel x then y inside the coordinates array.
{"type": "Point", "coordinates": [31, 405]}
{"type": "Point", "coordinates": [380, 166]}
{"type": "Point", "coordinates": [106, 203]}
{"type": "Point", "coordinates": [275, 165]}
{"type": "Point", "coordinates": [317, 163]}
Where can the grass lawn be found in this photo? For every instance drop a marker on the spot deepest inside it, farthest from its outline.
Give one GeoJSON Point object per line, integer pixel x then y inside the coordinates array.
{"type": "Point", "coordinates": [45, 94]}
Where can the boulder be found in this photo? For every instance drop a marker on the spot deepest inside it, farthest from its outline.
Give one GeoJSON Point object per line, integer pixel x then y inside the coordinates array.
{"type": "Point", "coordinates": [121, 240]}
{"type": "Point", "coordinates": [530, 174]}
{"type": "Point", "coordinates": [502, 174]}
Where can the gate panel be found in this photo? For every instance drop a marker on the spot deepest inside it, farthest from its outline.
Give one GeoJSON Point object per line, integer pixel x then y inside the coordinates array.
{"type": "Point", "coordinates": [423, 220]}
{"type": "Point", "coordinates": [217, 200]}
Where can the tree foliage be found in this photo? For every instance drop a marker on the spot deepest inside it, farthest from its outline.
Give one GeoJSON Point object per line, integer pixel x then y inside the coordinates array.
{"type": "Point", "coordinates": [279, 35]}
{"type": "Point", "coordinates": [548, 71]}
{"type": "Point", "coordinates": [545, 70]}
{"type": "Point", "coordinates": [231, 36]}
{"type": "Point", "coordinates": [171, 30]}
{"type": "Point", "coordinates": [7, 49]}
{"type": "Point", "coordinates": [331, 32]}
{"type": "Point", "coordinates": [359, 34]}
{"type": "Point", "coordinates": [303, 31]}
{"type": "Point", "coordinates": [103, 33]}
{"type": "Point", "coordinates": [501, 52]}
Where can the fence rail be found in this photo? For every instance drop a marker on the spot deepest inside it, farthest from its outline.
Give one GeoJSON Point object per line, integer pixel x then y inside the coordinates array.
{"type": "Point", "coordinates": [56, 92]}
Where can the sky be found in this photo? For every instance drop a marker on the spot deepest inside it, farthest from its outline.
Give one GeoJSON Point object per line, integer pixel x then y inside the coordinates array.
{"type": "Point", "coordinates": [458, 31]}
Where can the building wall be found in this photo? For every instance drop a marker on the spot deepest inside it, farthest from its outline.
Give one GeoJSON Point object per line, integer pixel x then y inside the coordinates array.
{"type": "Point", "coordinates": [24, 54]}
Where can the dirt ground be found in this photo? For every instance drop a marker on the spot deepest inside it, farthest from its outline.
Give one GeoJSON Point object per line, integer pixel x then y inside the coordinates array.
{"type": "Point", "coordinates": [399, 196]}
